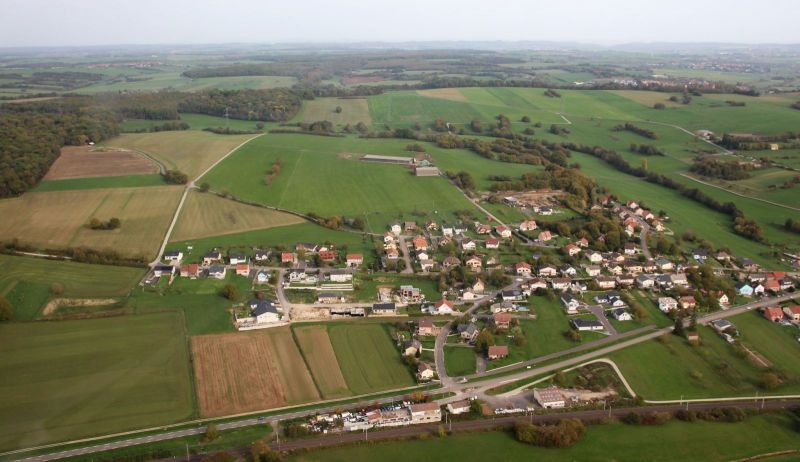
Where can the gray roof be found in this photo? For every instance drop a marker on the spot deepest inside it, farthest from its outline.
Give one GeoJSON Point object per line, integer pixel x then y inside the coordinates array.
{"type": "Point", "coordinates": [578, 322]}
{"type": "Point", "coordinates": [260, 307]}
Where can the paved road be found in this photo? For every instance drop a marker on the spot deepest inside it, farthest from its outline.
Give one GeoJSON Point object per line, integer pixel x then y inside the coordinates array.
{"type": "Point", "coordinates": [600, 314]}
{"type": "Point", "coordinates": [643, 240]}
{"type": "Point", "coordinates": [409, 269]}
{"type": "Point", "coordinates": [689, 177]}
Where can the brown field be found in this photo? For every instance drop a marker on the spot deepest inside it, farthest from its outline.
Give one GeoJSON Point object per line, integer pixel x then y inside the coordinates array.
{"type": "Point", "coordinates": [249, 371]}
{"type": "Point", "coordinates": [189, 151]}
{"type": "Point", "coordinates": [84, 162]}
{"type": "Point", "coordinates": [318, 351]}
{"type": "Point", "coordinates": [206, 215]}
{"type": "Point", "coordinates": [452, 94]}
{"type": "Point", "coordinates": [361, 79]}
{"type": "Point", "coordinates": [58, 219]}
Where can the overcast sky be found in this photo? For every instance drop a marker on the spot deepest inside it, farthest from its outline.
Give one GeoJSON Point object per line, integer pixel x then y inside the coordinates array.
{"type": "Point", "coordinates": [110, 22]}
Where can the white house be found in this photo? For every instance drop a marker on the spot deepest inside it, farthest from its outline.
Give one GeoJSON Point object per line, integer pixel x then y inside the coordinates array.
{"type": "Point", "coordinates": [621, 315]}
{"type": "Point", "coordinates": [264, 311]}
{"type": "Point", "coordinates": [667, 304]}
{"type": "Point", "coordinates": [571, 304]}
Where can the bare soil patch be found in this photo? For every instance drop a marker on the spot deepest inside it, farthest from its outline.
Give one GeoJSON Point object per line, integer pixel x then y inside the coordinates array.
{"type": "Point", "coordinates": [89, 162]}
{"type": "Point", "coordinates": [56, 303]}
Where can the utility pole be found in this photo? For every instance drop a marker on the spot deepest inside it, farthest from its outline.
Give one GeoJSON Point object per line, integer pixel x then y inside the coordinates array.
{"type": "Point", "coordinates": [226, 117]}
{"type": "Point", "coordinates": [187, 452]}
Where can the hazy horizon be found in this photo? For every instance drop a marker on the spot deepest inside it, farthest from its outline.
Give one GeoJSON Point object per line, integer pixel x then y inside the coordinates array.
{"type": "Point", "coordinates": [57, 23]}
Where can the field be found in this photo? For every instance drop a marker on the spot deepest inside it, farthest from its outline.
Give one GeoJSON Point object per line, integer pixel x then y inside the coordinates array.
{"type": "Point", "coordinates": [323, 175]}
{"type": "Point", "coordinates": [672, 441]}
{"type": "Point", "coordinates": [317, 350]}
{"type": "Point", "coordinates": [188, 151]}
{"type": "Point", "coordinates": [777, 343]}
{"type": "Point", "coordinates": [459, 361]}
{"type": "Point", "coordinates": [367, 357]}
{"type": "Point", "coordinates": [83, 162]}
{"type": "Point", "coordinates": [72, 379]}
{"type": "Point", "coordinates": [104, 182]}
{"type": "Point", "coordinates": [244, 372]}
{"type": "Point", "coordinates": [206, 215]}
{"type": "Point", "coordinates": [163, 79]}
{"type": "Point", "coordinates": [59, 219]}
{"type": "Point", "coordinates": [354, 110]}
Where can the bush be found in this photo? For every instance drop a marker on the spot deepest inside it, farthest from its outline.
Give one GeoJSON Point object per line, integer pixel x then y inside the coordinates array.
{"type": "Point", "coordinates": [562, 435]}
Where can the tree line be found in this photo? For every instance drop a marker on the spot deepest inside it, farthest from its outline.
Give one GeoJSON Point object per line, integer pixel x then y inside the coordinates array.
{"type": "Point", "coordinates": [627, 126]}
{"type": "Point", "coordinates": [275, 105]}
{"type": "Point", "coordinates": [726, 170]}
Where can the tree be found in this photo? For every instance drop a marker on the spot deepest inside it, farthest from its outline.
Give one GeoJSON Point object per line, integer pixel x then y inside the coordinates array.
{"type": "Point", "coordinates": [261, 452]}
{"type": "Point", "coordinates": [678, 329]}
{"type": "Point", "coordinates": [204, 187]}
{"type": "Point", "coordinates": [526, 119]}
{"type": "Point", "coordinates": [230, 292]}
{"type": "Point", "coordinates": [659, 106]}
{"type": "Point", "coordinates": [175, 177]}
{"type": "Point", "coordinates": [260, 125]}
{"type": "Point", "coordinates": [221, 456]}
{"type": "Point", "coordinates": [338, 110]}
{"type": "Point", "coordinates": [770, 380]}
{"type": "Point", "coordinates": [484, 340]}
{"type": "Point", "coordinates": [212, 432]}
{"type": "Point", "coordinates": [5, 309]}
{"type": "Point", "coordinates": [56, 289]}
{"type": "Point", "coordinates": [114, 223]}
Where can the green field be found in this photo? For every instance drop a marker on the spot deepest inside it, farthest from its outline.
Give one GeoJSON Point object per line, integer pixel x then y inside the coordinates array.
{"type": "Point", "coordinates": [323, 175]}
{"type": "Point", "coordinates": [71, 379]}
{"type": "Point", "coordinates": [354, 110]}
{"type": "Point", "coordinates": [168, 79]}
{"type": "Point", "coordinates": [619, 442]}
{"type": "Point", "coordinates": [126, 181]}
{"type": "Point", "coordinates": [459, 361]}
{"type": "Point", "coordinates": [25, 280]}
{"type": "Point", "coordinates": [368, 358]}
{"type": "Point", "coordinates": [777, 343]}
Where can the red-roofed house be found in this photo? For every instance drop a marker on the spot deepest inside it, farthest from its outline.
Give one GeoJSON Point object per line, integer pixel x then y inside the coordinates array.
{"type": "Point", "coordinates": [793, 312]}
{"type": "Point", "coordinates": [502, 320]}
{"type": "Point", "coordinates": [497, 351]}
{"type": "Point", "coordinates": [243, 269]}
{"type": "Point", "coordinates": [327, 255]}
{"type": "Point", "coordinates": [523, 269]}
{"type": "Point", "coordinates": [773, 313]}
{"type": "Point", "coordinates": [354, 260]}
{"type": "Point", "coordinates": [288, 257]}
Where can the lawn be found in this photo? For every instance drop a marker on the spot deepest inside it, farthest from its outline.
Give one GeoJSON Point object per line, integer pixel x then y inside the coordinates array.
{"type": "Point", "coordinates": [673, 441]}
{"type": "Point", "coordinates": [367, 285]}
{"type": "Point", "coordinates": [71, 379]}
{"type": "Point", "coordinates": [317, 350]}
{"type": "Point", "coordinates": [353, 111]}
{"type": "Point", "coordinates": [324, 175]}
{"type": "Point", "coordinates": [126, 181]}
{"type": "Point", "coordinates": [459, 361]}
{"type": "Point", "coordinates": [188, 151]}
{"type": "Point", "coordinates": [778, 343]}
{"type": "Point", "coordinates": [207, 215]}
{"type": "Point", "coordinates": [368, 358]}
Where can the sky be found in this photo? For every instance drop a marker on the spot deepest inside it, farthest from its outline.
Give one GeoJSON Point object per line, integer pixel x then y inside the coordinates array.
{"type": "Point", "coordinates": [604, 22]}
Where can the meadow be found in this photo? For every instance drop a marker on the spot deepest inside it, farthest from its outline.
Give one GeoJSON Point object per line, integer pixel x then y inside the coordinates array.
{"type": "Point", "coordinates": [368, 358]}
{"type": "Point", "coordinates": [459, 361]}
{"type": "Point", "coordinates": [353, 111]}
{"type": "Point", "coordinates": [59, 219]}
{"type": "Point", "coordinates": [188, 151]}
{"type": "Point", "coordinates": [206, 215]}
{"type": "Point", "coordinates": [675, 440]}
{"type": "Point", "coordinates": [124, 181]}
{"type": "Point", "coordinates": [71, 379]}
{"type": "Point", "coordinates": [169, 79]}
{"type": "Point", "coordinates": [324, 175]}
{"type": "Point", "coordinates": [317, 350]}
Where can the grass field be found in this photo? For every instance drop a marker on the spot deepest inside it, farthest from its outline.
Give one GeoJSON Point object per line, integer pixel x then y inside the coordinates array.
{"type": "Point", "coordinates": [323, 175]}
{"type": "Point", "coordinates": [71, 379]}
{"type": "Point", "coordinates": [26, 282]}
{"type": "Point", "coordinates": [243, 372]}
{"type": "Point", "coordinates": [281, 237]}
{"type": "Point", "coordinates": [163, 79]}
{"type": "Point", "coordinates": [673, 441]}
{"type": "Point", "coordinates": [459, 361]}
{"type": "Point", "coordinates": [367, 357]}
{"type": "Point", "coordinates": [188, 151]}
{"type": "Point", "coordinates": [206, 215]}
{"type": "Point", "coordinates": [777, 343]}
{"type": "Point", "coordinates": [59, 219]}
{"type": "Point", "coordinates": [127, 181]}
{"type": "Point", "coordinates": [354, 110]}
{"type": "Point", "coordinates": [315, 345]}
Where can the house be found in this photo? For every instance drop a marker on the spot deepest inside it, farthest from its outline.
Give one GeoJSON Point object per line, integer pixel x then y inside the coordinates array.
{"type": "Point", "coordinates": [721, 325]}
{"type": "Point", "coordinates": [537, 283]}
{"type": "Point", "coordinates": [583, 324]}
{"type": "Point", "coordinates": [191, 270]}
{"type": "Point", "coordinates": [480, 228]}
{"type": "Point", "coordinates": [340, 276]}
{"type": "Point", "coordinates": [679, 279]}
{"type": "Point", "coordinates": [431, 225]}
{"type": "Point", "coordinates": [621, 315]}
{"type": "Point", "coordinates": [632, 266]}
{"type": "Point", "coordinates": [773, 286]}
{"type": "Point", "coordinates": [492, 243]}
{"type": "Point", "coordinates": [773, 313]}
{"type": "Point", "coordinates": [664, 281]}
{"type": "Point", "coordinates": [497, 352]}
{"type": "Point", "coordinates": [459, 228]}
{"type": "Point", "coordinates": [236, 258]}
{"type": "Point", "coordinates": [744, 289]}
{"type": "Point", "coordinates": [572, 249]}
{"type": "Point", "coordinates": [354, 260]}
{"type": "Point", "coordinates": [217, 271]}
{"type": "Point", "coordinates": [792, 312]}
{"type": "Point", "coordinates": [524, 269]}
{"type": "Point", "coordinates": [748, 264]}
{"type": "Point", "coordinates": [163, 270]}
{"type": "Point", "coordinates": [288, 257]}
{"type": "Point", "coordinates": [420, 244]}
{"type": "Point", "coordinates": [425, 327]}
{"type": "Point", "coordinates": [327, 255]}
{"type": "Point", "coordinates": [633, 205]}
{"type": "Point", "coordinates": [211, 258]}
{"type": "Point", "coordinates": [243, 269]}
{"type": "Point", "coordinates": [410, 226]}
{"type": "Point", "coordinates": [392, 254]}
{"type": "Point", "coordinates": [174, 256]}
{"type": "Point", "coordinates": [262, 277]}
{"type": "Point", "coordinates": [606, 282]}
{"type": "Point", "coordinates": [570, 302]}
{"type": "Point", "coordinates": [693, 336]}
{"type": "Point", "coordinates": [645, 282]}
{"type": "Point", "coordinates": [722, 298]}
{"type": "Point", "coordinates": [468, 332]}
{"type": "Point", "coordinates": [329, 297]}
{"type": "Point", "coordinates": [459, 407]}
{"type": "Point", "coordinates": [625, 279]}
{"type": "Point", "coordinates": [615, 269]}
{"type": "Point", "coordinates": [468, 244]}
{"type": "Point", "coordinates": [549, 398]}
{"type": "Point", "coordinates": [544, 236]}
{"type": "Point", "coordinates": [561, 283]}
{"type": "Point", "coordinates": [502, 307]}
{"type": "Point", "coordinates": [664, 265]}
{"type": "Point", "coordinates": [427, 264]}
{"type": "Point", "coordinates": [650, 266]}
{"type": "Point", "coordinates": [411, 294]}
{"type": "Point", "coordinates": [512, 295]}
{"type": "Point", "coordinates": [261, 256]}
{"type": "Point", "coordinates": [395, 228]}
{"type": "Point", "coordinates": [688, 302]}
{"type": "Point", "coordinates": [723, 256]}
{"type": "Point", "coordinates": [425, 413]}
{"type": "Point", "coordinates": [384, 309]}
{"type": "Point", "coordinates": [474, 262]}
{"type": "Point", "coordinates": [425, 372]}
{"type": "Point", "coordinates": [478, 287]}
{"type": "Point", "coordinates": [450, 262]}
{"type": "Point", "coordinates": [593, 270]}
{"type": "Point", "coordinates": [582, 242]}
{"type": "Point", "coordinates": [411, 347]}
{"type": "Point", "coordinates": [296, 275]}
{"type": "Point", "coordinates": [448, 230]}
{"type": "Point", "coordinates": [443, 307]}
{"type": "Point", "coordinates": [758, 289]}
{"type": "Point", "coordinates": [423, 256]}
{"type": "Point", "coordinates": [595, 257]}
{"type": "Point", "coordinates": [527, 225]}
{"type": "Point", "coordinates": [667, 304]}
{"type": "Point", "coordinates": [546, 210]}
{"type": "Point", "coordinates": [700, 254]}
{"type": "Point", "coordinates": [630, 248]}
{"type": "Point", "coordinates": [502, 320]}
{"type": "Point", "coordinates": [503, 231]}
{"type": "Point", "coordinates": [547, 271]}
{"type": "Point", "coordinates": [265, 311]}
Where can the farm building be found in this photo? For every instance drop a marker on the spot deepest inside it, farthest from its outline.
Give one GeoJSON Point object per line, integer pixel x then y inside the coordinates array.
{"type": "Point", "coordinates": [549, 398]}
